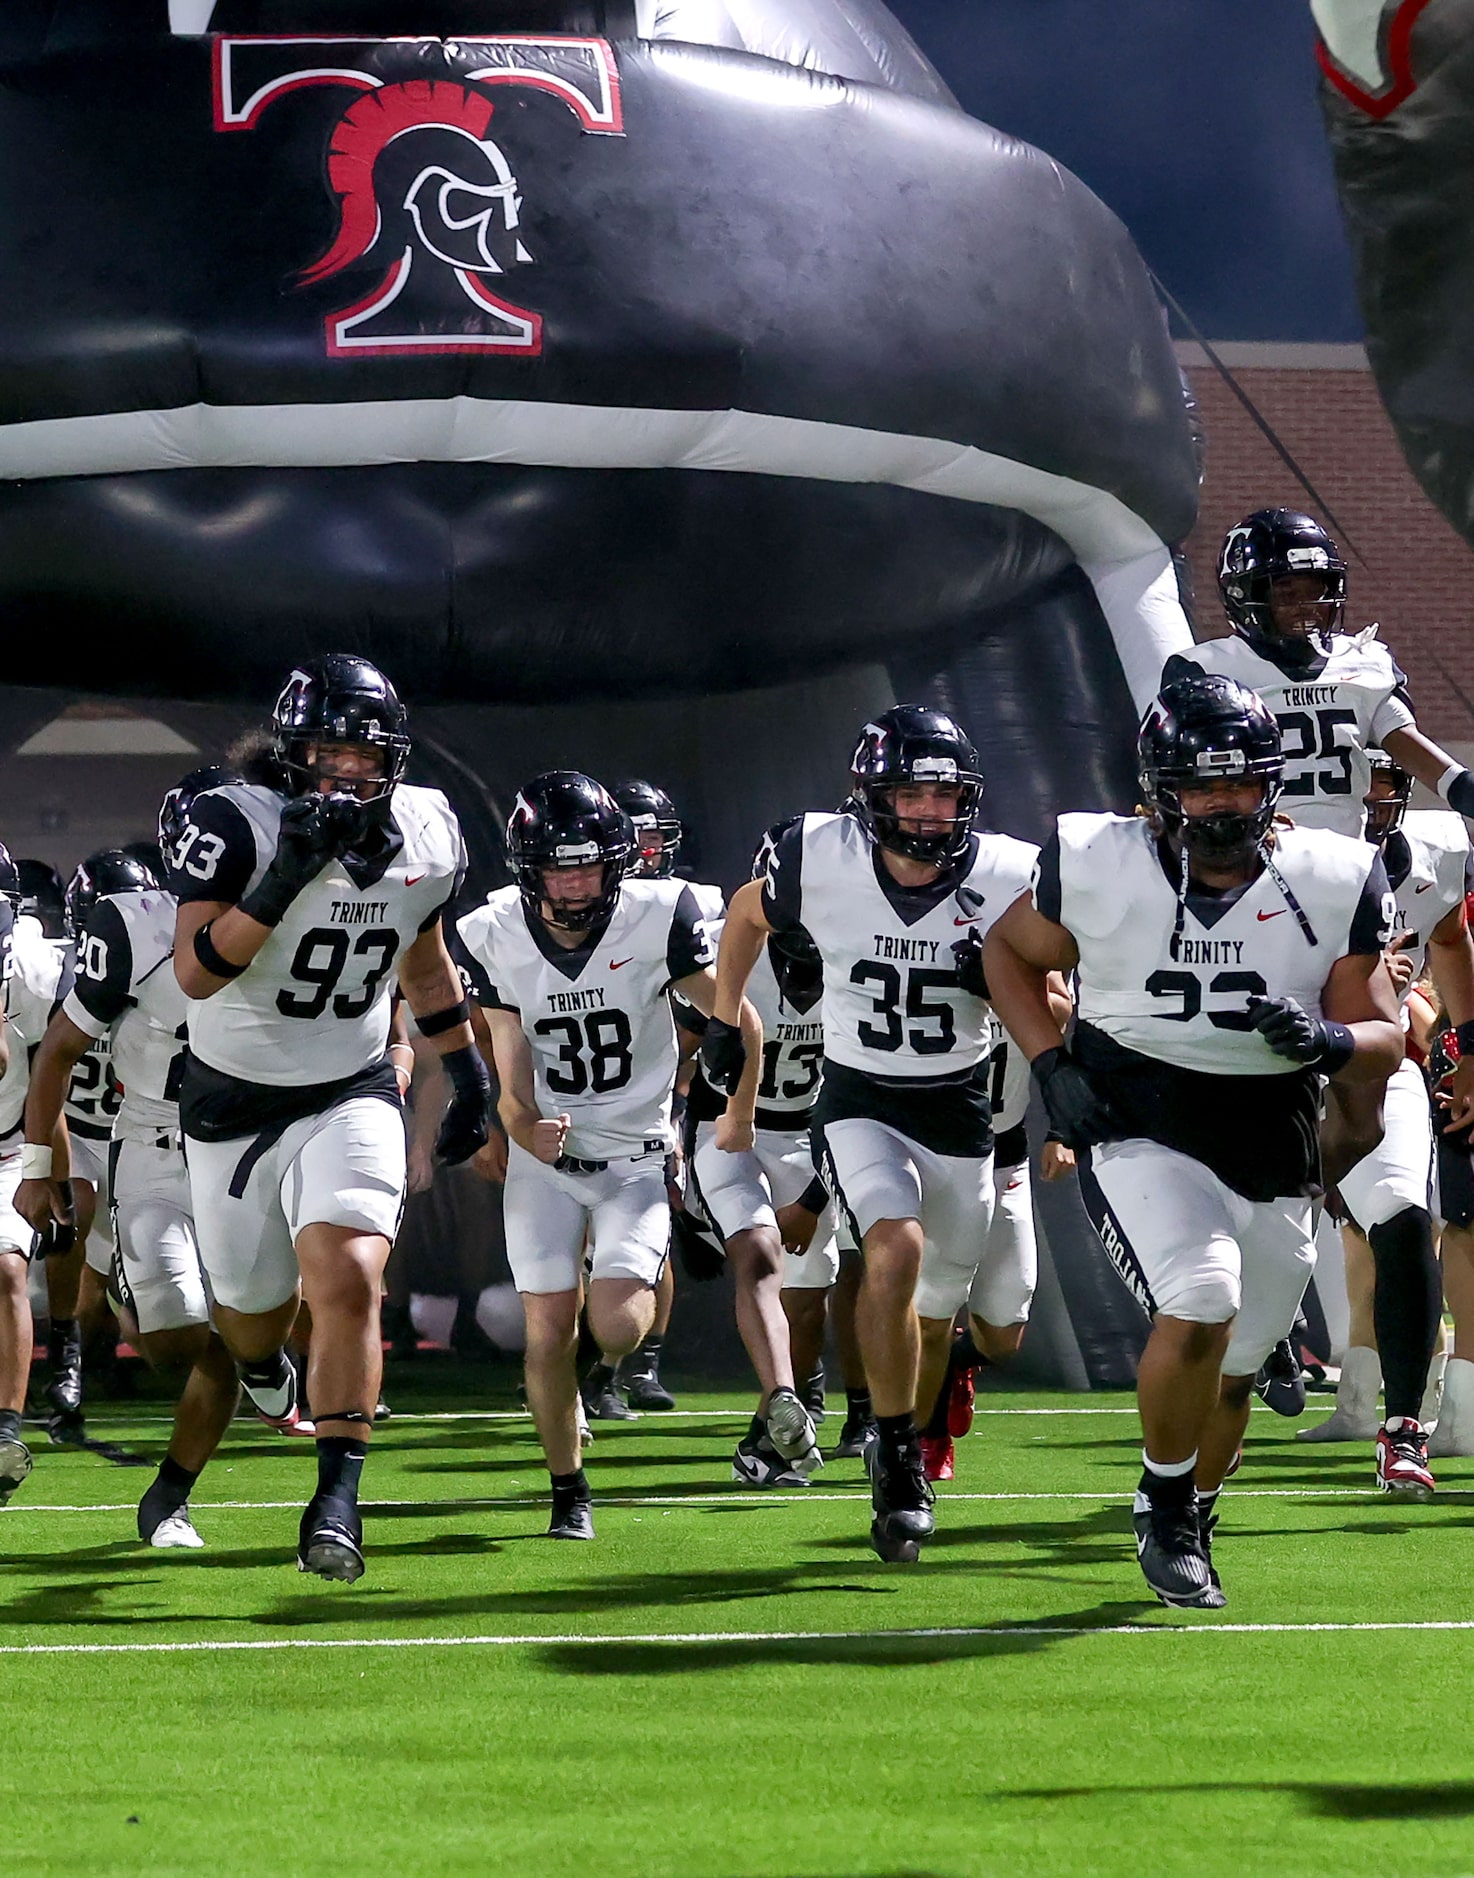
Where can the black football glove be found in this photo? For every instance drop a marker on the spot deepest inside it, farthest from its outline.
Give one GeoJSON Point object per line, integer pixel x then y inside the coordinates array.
{"type": "Point", "coordinates": [702, 1259]}
{"type": "Point", "coordinates": [467, 1118]}
{"type": "Point", "coordinates": [348, 819]}
{"type": "Point", "coordinates": [968, 953]}
{"type": "Point", "coordinates": [1291, 1032]}
{"type": "Point", "coordinates": [723, 1055]}
{"type": "Point", "coordinates": [57, 1237]}
{"type": "Point", "coordinates": [1077, 1115]}
{"type": "Point", "coordinates": [306, 841]}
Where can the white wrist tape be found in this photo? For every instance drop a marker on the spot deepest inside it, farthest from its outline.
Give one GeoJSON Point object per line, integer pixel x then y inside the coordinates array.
{"type": "Point", "coordinates": [35, 1162]}
{"type": "Point", "coordinates": [1454, 770]}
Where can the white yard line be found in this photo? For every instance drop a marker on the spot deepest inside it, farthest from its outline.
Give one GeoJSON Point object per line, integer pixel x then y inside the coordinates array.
{"type": "Point", "coordinates": [655, 1417]}
{"type": "Point", "coordinates": [958, 1632]}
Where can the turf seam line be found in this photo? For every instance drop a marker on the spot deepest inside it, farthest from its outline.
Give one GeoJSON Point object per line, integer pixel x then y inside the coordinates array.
{"type": "Point", "coordinates": [882, 1637]}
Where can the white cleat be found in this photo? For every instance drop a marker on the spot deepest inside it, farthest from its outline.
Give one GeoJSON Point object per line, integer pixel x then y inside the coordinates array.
{"type": "Point", "coordinates": [176, 1533]}
{"type": "Point", "coordinates": [1453, 1437]}
{"type": "Point", "coordinates": [791, 1431]}
{"type": "Point", "coordinates": [1356, 1417]}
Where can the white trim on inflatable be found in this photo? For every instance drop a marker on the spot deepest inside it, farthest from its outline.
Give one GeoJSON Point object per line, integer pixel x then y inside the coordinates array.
{"type": "Point", "coordinates": [189, 18]}
{"type": "Point", "coordinates": [1123, 557]}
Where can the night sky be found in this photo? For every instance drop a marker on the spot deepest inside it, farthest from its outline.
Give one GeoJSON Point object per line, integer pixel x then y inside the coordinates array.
{"type": "Point", "coordinates": [1195, 120]}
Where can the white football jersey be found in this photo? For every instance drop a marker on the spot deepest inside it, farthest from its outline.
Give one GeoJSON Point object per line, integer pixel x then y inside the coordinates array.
{"type": "Point", "coordinates": [37, 979]}
{"type": "Point", "coordinates": [313, 1005]}
{"type": "Point", "coordinates": [126, 993]}
{"type": "Point", "coordinates": [599, 1024]}
{"type": "Point", "coordinates": [793, 1051]}
{"type": "Point", "coordinates": [1427, 868]}
{"type": "Point", "coordinates": [892, 1005]}
{"type": "Point", "coordinates": [1009, 1081]}
{"type": "Point", "coordinates": [1329, 712]}
{"type": "Point", "coordinates": [1189, 1009]}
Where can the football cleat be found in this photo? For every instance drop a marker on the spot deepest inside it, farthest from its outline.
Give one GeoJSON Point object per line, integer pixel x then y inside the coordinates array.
{"type": "Point", "coordinates": [176, 1532]}
{"type": "Point", "coordinates": [1402, 1460]}
{"type": "Point", "coordinates": [757, 1463]}
{"type": "Point", "coordinates": [643, 1389]}
{"type": "Point", "coordinates": [67, 1430]}
{"type": "Point", "coordinates": [1171, 1553]}
{"type": "Point", "coordinates": [962, 1394]}
{"type": "Point", "coordinates": [1280, 1384]}
{"type": "Point", "coordinates": [330, 1542]}
{"type": "Point", "coordinates": [15, 1464]}
{"type": "Point", "coordinates": [601, 1399]}
{"type": "Point", "coordinates": [64, 1391]}
{"type": "Point", "coordinates": [382, 1411]}
{"type": "Point", "coordinates": [1207, 1525]}
{"type": "Point", "coordinates": [852, 1437]}
{"type": "Point", "coordinates": [901, 1498]}
{"type": "Point", "coordinates": [938, 1456]}
{"type": "Point", "coordinates": [573, 1521]}
{"type": "Point", "coordinates": [1355, 1417]}
{"type": "Point", "coordinates": [275, 1403]}
{"type": "Point", "coordinates": [791, 1432]}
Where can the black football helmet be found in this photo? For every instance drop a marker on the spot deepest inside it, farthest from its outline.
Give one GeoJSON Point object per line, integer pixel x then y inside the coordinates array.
{"type": "Point", "coordinates": [1385, 813]}
{"type": "Point", "coordinates": [1270, 545]}
{"type": "Point", "coordinates": [42, 895]}
{"type": "Point", "coordinates": [654, 817]}
{"type": "Point", "coordinates": [340, 699]}
{"type": "Point", "coordinates": [566, 819]}
{"type": "Point", "coordinates": [911, 744]}
{"type": "Point", "coordinates": [1204, 728]}
{"type": "Point", "coordinates": [110, 870]}
{"type": "Point", "coordinates": [175, 807]}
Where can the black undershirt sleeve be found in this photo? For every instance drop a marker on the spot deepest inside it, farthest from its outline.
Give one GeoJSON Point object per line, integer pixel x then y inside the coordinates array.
{"type": "Point", "coordinates": [104, 967]}
{"type": "Point", "coordinates": [216, 855]}
{"type": "Point", "coordinates": [1047, 893]}
{"type": "Point", "coordinates": [1370, 925]}
{"type": "Point", "coordinates": [783, 882]}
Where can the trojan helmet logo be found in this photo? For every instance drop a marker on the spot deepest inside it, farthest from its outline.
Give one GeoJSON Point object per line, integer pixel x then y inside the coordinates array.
{"type": "Point", "coordinates": [426, 195]}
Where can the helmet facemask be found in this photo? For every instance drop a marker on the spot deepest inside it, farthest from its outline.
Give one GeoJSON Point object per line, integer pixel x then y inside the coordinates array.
{"type": "Point", "coordinates": [1224, 838]}
{"type": "Point", "coordinates": [878, 811]}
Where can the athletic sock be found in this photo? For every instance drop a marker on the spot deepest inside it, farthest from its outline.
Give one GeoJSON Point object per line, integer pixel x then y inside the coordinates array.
{"type": "Point", "coordinates": [1207, 1501]}
{"type": "Point", "coordinates": [646, 1359]}
{"type": "Point", "coordinates": [936, 1425]}
{"type": "Point", "coordinates": [896, 1431]}
{"type": "Point", "coordinates": [169, 1491]}
{"type": "Point", "coordinates": [600, 1377]}
{"type": "Point", "coordinates": [965, 1353]}
{"type": "Point", "coordinates": [64, 1342]}
{"type": "Point", "coordinates": [271, 1383]}
{"type": "Point", "coordinates": [1169, 1483]}
{"type": "Point", "coordinates": [10, 1424]}
{"type": "Point", "coordinates": [759, 1429]}
{"type": "Point", "coordinates": [857, 1404]}
{"type": "Point", "coordinates": [569, 1489]}
{"type": "Point", "coordinates": [1406, 1306]}
{"type": "Point", "coordinates": [340, 1460]}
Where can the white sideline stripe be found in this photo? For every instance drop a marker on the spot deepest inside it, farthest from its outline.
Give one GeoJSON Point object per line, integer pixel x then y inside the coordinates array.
{"type": "Point", "coordinates": [809, 1497]}
{"type": "Point", "coordinates": [1122, 555]}
{"type": "Point", "coordinates": [666, 1415]}
{"type": "Point", "coordinates": [717, 1636]}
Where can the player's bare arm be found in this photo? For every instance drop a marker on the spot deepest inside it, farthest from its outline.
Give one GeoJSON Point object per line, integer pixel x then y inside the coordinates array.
{"type": "Point", "coordinates": [743, 937]}
{"type": "Point", "coordinates": [1024, 958]}
{"type": "Point", "coordinates": [40, 1199]}
{"type": "Point", "coordinates": [735, 1128]}
{"type": "Point", "coordinates": [541, 1136]}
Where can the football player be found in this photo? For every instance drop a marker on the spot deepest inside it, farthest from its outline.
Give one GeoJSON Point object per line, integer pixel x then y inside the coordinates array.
{"type": "Point", "coordinates": [887, 889]}
{"type": "Point", "coordinates": [125, 995]}
{"type": "Point", "coordinates": [571, 966]}
{"type": "Point", "coordinates": [299, 906]}
{"type": "Point", "coordinates": [768, 1197]}
{"type": "Point", "coordinates": [76, 1285]}
{"type": "Point", "coordinates": [1224, 965]}
{"type": "Point", "coordinates": [1334, 693]}
{"type": "Point", "coordinates": [1387, 1195]}
{"type": "Point", "coordinates": [659, 834]}
{"type": "Point", "coordinates": [34, 976]}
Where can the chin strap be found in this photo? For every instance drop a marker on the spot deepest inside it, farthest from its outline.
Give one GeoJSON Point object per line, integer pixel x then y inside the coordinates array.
{"type": "Point", "coordinates": [1284, 886]}
{"type": "Point", "coordinates": [1174, 947]}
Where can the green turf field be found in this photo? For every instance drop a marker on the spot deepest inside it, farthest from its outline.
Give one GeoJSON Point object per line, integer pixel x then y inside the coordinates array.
{"type": "Point", "coordinates": [732, 1684]}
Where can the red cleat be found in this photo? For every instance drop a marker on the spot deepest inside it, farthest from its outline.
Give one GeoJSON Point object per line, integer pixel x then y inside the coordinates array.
{"type": "Point", "coordinates": [961, 1395]}
{"type": "Point", "coordinates": [1402, 1460]}
{"type": "Point", "coordinates": [937, 1456]}
{"type": "Point", "coordinates": [1234, 1465]}
{"type": "Point", "coordinates": [291, 1424]}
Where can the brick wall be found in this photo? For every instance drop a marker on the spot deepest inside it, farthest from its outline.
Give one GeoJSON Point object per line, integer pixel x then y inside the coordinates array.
{"type": "Point", "coordinates": [1418, 577]}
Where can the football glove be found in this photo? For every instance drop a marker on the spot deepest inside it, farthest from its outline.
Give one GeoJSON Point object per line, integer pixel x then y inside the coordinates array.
{"type": "Point", "coordinates": [57, 1237]}
{"type": "Point", "coordinates": [467, 1120]}
{"type": "Point", "coordinates": [1078, 1117]}
{"type": "Point", "coordinates": [968, 953]}
{"type": "Point", "coordinates": [1291, 1032]}
{"type": "Point", "coordinates": [311, 828]}
{"type": "Point", "coordinates": [723, 1055]}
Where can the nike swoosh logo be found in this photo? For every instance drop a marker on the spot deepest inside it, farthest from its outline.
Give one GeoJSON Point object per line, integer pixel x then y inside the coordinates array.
{"type": "Point", "coordinates": [413, 880]}
{"type": "Point", "coordinates": [1424, 888]}
{"type": "Point", "coordinates": [615, 964]}
{"type": "Point", "coordinates": [967, 922]}
{"type": "Point", "coordinates": [1269, 915]}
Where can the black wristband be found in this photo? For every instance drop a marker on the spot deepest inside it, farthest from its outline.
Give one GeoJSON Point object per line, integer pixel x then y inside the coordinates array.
{"type": "Point", "coordinates": [213, 961]}
{"type": "Point", "coordinates": [1339, 1050]}
{"type": "Point", "coordinates": [1460, 793]}
{"type": "Point", "coordinates": [467, 1072]}
{"type": "Point", "coordinates": [814, 1198]}
{"type": "Point", "coordinates": [438, 1022]}
{"type": "Point", "coordinates": [1465, 1034]}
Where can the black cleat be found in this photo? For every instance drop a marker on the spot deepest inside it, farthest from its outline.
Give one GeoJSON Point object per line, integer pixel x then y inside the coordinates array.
{"type": "Point", "coordinates": [643, 1389]}
{"type": "Point", "coordinates": [601, 1398]}
{"type": "Point", "coordinates": [757, 1463]}
{"type": "Point", "coordinates": [853, 1436]}
{"type": "Point", "coordinates": [1207, 1524]}
{"type": "Point", "coordinates": [64, 1390]}
{"type": "Point", "coordinates": [573, 1519]}
{"type": "Point", "coordinates": [1170, 1550]}
{"type": "Point", "coordinates": [1280, 1383]}
{"type": "Point", "coordinates": [67, 1430]}
{"type": "Point", "coordinates": [382, 1411]}
{"type": "Point", "coordinates": [330, 1542]}
{"type": "Point", "coordinates": [902, 1498]}
{"type": "Point", "coordinates": [15, 1464]}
